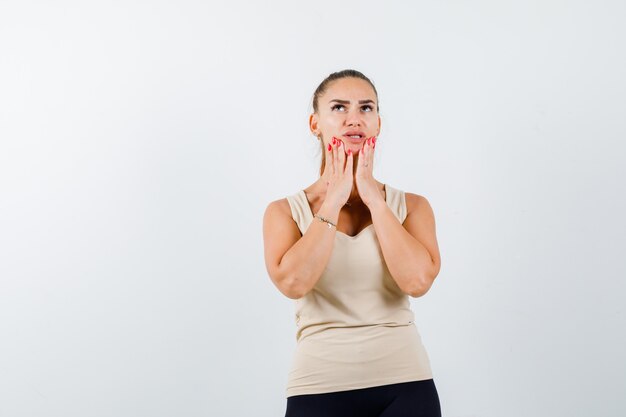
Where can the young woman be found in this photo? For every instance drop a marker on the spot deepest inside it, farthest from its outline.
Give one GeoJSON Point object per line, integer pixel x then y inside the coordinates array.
{"type": "Point", "coordinates": [350, 250]}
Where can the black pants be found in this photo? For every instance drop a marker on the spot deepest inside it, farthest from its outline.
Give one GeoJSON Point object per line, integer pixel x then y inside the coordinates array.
{"type": "Point", "coordinates": [406, 399]}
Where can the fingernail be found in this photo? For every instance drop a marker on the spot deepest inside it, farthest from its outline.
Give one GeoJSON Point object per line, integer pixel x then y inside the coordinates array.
{"type": "Point", "coordinates": [329, 147]}
{"type": "Point", "coordinates": [350, 152]}
{"type": "Point", "coordinates": [334, 140]}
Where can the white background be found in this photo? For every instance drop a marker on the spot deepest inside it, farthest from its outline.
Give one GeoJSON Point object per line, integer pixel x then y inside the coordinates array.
{"type": "Point", "coordinates": [142, 141]}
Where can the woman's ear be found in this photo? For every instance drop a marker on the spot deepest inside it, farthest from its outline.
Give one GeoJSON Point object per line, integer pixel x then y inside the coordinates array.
{"type": "Point", "coordinates": [313, 124]}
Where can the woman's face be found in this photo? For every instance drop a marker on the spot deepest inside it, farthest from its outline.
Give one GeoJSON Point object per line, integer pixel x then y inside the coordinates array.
{"type": "Point", "coordinates": [347, 111]}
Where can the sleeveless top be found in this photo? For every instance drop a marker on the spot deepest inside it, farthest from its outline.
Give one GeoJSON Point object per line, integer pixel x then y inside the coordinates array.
{"type": "Point", "coordinates": [355, 327]}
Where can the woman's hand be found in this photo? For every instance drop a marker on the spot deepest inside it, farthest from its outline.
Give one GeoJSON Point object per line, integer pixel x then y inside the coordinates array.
{"type": "Point", "coordinates": [365, 182]}
{"type": "Point", "coordinates": [338, 173]}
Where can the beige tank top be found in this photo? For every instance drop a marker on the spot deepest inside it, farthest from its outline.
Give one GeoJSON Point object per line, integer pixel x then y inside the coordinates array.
{"type": "Point", "coordinates": [355, 328]}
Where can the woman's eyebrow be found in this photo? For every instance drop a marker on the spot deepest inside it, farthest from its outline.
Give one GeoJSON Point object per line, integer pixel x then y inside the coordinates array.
{"type": "Point", "coordinates": [348, 101]}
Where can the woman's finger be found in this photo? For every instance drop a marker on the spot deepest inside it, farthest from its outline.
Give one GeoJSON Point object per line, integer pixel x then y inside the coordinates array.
{"type": "Point", "coordinates": [362, 160]}
{"type": "Point", "coordinates": [336, 167]}
{"type": "Point", "coordinates": [342, 156]}
{"type": "Point", "coordinates": [349, 162]}
{"type": "Point", "coordinates": [328, 167]}
{"type": "Point", "coordinates": [370, 154]}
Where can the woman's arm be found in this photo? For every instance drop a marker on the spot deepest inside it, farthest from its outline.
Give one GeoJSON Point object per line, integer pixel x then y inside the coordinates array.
{"type": "Point", "coordinates": [294, 262]}
{"type": "Point", "coordinates": [410, 249]}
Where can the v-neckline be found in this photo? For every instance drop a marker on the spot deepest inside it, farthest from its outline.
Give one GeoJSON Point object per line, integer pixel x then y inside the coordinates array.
{"type": "Point", "coordinates": [340, 233]}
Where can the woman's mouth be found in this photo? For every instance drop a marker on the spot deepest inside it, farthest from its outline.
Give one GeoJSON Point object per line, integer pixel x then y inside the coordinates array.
{"type": "Point", "coordinates": [354, 138]}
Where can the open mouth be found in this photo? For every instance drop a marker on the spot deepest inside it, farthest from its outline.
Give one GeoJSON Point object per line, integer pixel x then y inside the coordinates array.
{"type": "Point", "coordinates": [354, 137]}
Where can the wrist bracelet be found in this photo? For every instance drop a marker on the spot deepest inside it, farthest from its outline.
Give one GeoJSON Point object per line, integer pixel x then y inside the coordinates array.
{"type": "Point", "coordinates": [325, 220]}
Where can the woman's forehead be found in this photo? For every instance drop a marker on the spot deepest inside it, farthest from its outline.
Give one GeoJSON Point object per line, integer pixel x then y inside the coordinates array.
{"type": "Point", "coordinates": [350, 89]}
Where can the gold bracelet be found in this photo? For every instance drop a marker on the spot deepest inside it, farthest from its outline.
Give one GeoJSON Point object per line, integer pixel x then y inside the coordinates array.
{"type": "Point", "coordinates": [325, 220]}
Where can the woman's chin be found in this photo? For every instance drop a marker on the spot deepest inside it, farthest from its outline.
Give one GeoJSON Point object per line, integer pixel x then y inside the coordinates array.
{"type": "Point", "coordinates": [355, 147]}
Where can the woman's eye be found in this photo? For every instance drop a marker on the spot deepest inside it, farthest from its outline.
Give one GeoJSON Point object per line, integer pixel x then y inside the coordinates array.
{"type": "Point", "coordinates": [366, 107]}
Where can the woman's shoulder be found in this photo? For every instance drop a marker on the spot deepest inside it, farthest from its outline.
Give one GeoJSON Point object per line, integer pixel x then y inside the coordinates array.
{"type": "Point", "coordinates": [280, 206]}
{"type": "Point", "coordinates": [287, 215]}
{"type": "Point", "coordinates": [278, 218]}
{"type": "Point", "coordinates": [413, 201]}
{"type": "Point", "coordinates": [283, 206]}
{"type": "Point", "coordinates": [416, 203]}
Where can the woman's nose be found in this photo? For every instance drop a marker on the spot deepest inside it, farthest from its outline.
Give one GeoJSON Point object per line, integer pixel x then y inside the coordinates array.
{"type": "Point", "coordinates": [353, 119]}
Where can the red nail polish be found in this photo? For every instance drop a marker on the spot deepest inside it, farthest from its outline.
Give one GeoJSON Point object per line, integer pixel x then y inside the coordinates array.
{"type": "Point", "coordinates": [329, 147]}
{"type": "Point", "coordinates": [334, 140]}
{"type": "Point", "coordinates": [350, 152]}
